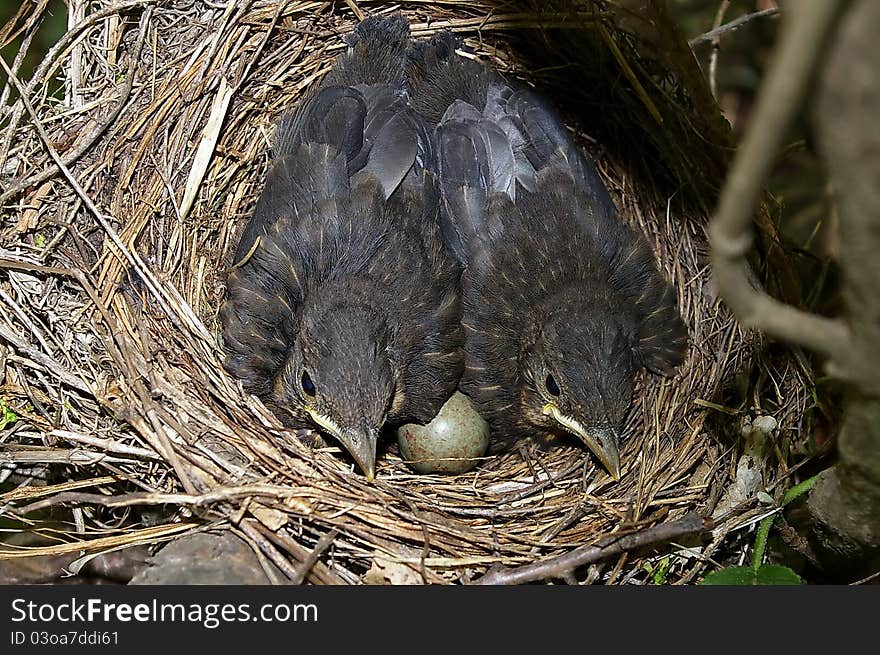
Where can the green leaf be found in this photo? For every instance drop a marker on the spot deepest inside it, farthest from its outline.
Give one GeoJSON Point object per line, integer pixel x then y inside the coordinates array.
{"type": "Point", "coordinates": [732, 575]}
{"type": "Point", "coordinates": [799, 490]}
{"type": "Point", "coordinates": [660, 573]}
{"type": "Point", "coordinates": [775, 574]}
{"type": "Point", "coordinates": [764, 527]}
{"type": "Point", "coordinates": [768, 574]}
{"type": "Point", "coordinates": [761, 536]}
{"type": "Point", "coordinates": [8, 417]}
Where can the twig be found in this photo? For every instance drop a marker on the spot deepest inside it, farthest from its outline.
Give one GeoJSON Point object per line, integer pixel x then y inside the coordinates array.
{"type": "Point", "coordinates": [32, 30]}
{"type": "Point", "coordinates": [561, 567]}
{"type": "Point", "coordinates": [630, 74]}
{"type": "Point", "coordinates": [128, 500]}
{"type": "Point", "coordinates": [357, 10]}
{"type": "Point", "coordinates": [319, 573]}
{"type": "Point", "coordinates": [515, 496]}
{"type": "Point", "coordinates": [102, 126]}
{"type": "Point", "coordinates": [512, 21]}
{"type": "Point", "coordinates": [251, 529]}
{"type": "Point", "coordinates": [866, 580]}
{"type": "Point", "coordinates": [77, 457]}
{"type": "Point", "coordinates": [25, 492]}
{"type": "Point", "coordinates": [736, 23]}
{"type": "Point", "coordinates": [716, 47]}
{"type": "Point", "coordinates": [129, 538]}
{"type": "Point", "coordinates": [108, 445]}
{"type": "Point", "coordinates": [730, 232]}
{"type": "Point", "coordinates": [323, 544]}
{"type": "Point", "coordinates": [271, 572]}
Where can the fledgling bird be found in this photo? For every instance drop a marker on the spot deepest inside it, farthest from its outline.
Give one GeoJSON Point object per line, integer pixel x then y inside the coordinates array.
{"type": "Point", "coordinates": [342, 310]}
{"type": "Point", "coordinates": [562, 301]}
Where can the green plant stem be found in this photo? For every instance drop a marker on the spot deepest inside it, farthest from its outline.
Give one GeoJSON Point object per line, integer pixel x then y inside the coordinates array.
{"type": "Point", "coordinates": [764, 526]}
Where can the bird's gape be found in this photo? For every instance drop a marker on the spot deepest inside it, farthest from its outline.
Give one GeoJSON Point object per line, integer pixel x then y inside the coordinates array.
{"type": "Point", "coordinates": [604, 442]}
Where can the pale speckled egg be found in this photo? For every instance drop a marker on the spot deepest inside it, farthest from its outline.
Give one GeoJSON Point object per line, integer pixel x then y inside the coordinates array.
{"type": "Point", "coordinates": [452, 442]}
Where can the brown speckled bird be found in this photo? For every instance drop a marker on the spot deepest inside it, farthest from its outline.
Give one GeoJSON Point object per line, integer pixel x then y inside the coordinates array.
{"type": "Point", "coordinates": [342, 308]}
{"type": "Point", "coordinates": [562, 301]}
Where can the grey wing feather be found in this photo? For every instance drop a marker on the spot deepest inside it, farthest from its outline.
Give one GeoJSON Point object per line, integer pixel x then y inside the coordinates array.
{"type": "Point", "coordinates": [541, 141]}
{"type": "Point", "coordinates": [293, 183]}
{"type": "Point", "coordinates": [475, 160]}
{"type": "Point", "coordinates": [464, 184]}
{"type": "Point", "coordinates": [393, 138]}
{"type": "Point", "coordinates": [335, 115]}
{"type": "Point", "coordinates": [337, 133]}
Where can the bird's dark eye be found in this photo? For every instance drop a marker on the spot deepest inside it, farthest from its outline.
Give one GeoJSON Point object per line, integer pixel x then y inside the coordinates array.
{"type": "Point", "coordinates": [552, 387]}
{"type": "Point", "coordinates": [307, 384]}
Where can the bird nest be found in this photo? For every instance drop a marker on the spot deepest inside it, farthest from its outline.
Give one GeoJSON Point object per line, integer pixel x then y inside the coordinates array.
{"type": "Point", "coordinates": [131, 159]}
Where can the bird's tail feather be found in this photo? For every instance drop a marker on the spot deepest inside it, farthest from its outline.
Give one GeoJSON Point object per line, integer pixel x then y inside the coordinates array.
{"type": "Point", "coordinates": [376, 53]}
{"type": "Point", "coordinates": [437, 77]}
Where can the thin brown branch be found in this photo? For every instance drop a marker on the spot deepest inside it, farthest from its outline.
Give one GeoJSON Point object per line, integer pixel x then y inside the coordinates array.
{"type": "Point", "coordinates": [716, 47]}
{"type": "Point", "coordinates": [357, 10]}
{"type": "Point", "coordinates": [720, 30]}
{"type": "Point", "coordinates": [76, 457]}
{"type": "Point", "coordinates": [306, 566]}
{"type": "Point", "coordinates": [128, 538]}
{"type": "Point", "coordinates": [102, 126]}
{"type": "Point", "coordinates": [318, 573]}
{"type": "Point", "coordinates": [108, 445]}
{"type": "Point", "coordinates": [133, 499]}
{"type": "Point", "coordinates": [730, 232]}
{"type": "Point", "coordinates": [252, 530]}
{"type": "Point", "coordinates": [562, 567]}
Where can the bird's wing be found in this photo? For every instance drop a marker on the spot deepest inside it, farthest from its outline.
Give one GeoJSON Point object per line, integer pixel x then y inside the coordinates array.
{"type": "Point", "coordinates": [395, 138]}
{"type": "Point", "coordinates": [337, 134]}
{"type": "Point", "coordinates": [259, 316]}
{"type": "Point", "coordinates": [541, 142]}
{"type": "Point", "coordinates": [493, 136]}
{"type": "Point", "coordinates": [392, 139]}
{"type": "Point", "coordinates": [475, 160]}
{"type": "Point", "coordinates": [332, 153]}
{"type": "Point", "coordinates": [357, 120]}
{"type": "Point", "coordinates": [313, 147]}
{"type": "Point", "coordinates": [334, 115]}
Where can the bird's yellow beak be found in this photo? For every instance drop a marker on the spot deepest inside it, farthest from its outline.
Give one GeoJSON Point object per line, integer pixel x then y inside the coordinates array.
{"type": "Point", "coordinates": [361, 444]}
{"type": "Point", "coordinates": [602, 442]}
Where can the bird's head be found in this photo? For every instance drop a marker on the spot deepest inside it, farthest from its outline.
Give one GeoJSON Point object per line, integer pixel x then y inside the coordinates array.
{"type": "Point", "coordinates": [339, 375]}
{"type": "Point", "coordinates": [580, 378]}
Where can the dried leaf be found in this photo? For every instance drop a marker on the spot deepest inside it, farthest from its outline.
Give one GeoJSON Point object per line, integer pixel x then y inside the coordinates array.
{"type": "Point", "coordinates": [271, 518]}
{"type": "Point", "coordinates": [386, 572]}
